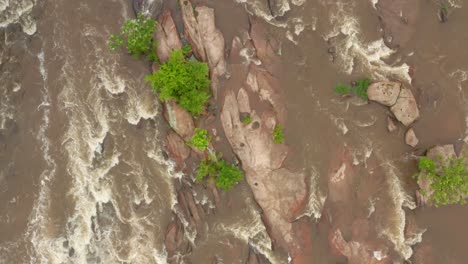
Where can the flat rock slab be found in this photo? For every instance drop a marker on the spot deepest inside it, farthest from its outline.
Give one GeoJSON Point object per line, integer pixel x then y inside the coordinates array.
{"type": "Point", "coordinates": [406, 109]}
{"type": "Point", "coordinates": [385, 93]}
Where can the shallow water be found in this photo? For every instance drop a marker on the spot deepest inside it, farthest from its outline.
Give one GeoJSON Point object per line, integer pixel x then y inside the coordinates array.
{"type": "Point", "coordinates": [83, 178]}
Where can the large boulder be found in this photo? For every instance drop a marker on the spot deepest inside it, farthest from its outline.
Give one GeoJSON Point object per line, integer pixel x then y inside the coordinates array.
{"type": "Point", "coordinates": [406, 108]}
{"type": "Point", "coordinates": [177, 149]}
{"type": "Point", "coordinates": [410, 138]}
{"type": "Point", "coordinates": [192, 31]}
{"type": "Point", "coordinates": [167, 37]}
{"type": "Point", "coordinates": [385, 93]}
{"type": "Point", "coordinates": [179, 119]}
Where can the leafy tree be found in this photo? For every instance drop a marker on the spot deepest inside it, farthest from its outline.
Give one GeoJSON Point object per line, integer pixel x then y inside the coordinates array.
{"type": "Point", "coordinates": [278, 136]}
{"type": "Point", "coordinates": [185, 81]}
{"type": "Point", "coordinates": [200, 139]}
{"type": "Point", "coordinates": [138, 37]}
{"type": "Point", "coordinates": [449, 182]}
{"type": "Point", "coordinates": [358, 89]}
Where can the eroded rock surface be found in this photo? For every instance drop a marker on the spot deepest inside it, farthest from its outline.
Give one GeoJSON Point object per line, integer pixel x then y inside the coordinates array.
{"type": "Point", "coordinates": [410, 138]}
{"type": "Point", "coordinates": [179, 119]}
{"type": "Point", "coordinates": [177, 149]}
{"type": "Point", "coordinates": [406, 108]}
{"type": "Point", "coordinates": [385, 93]}
{"type": "Point", "coordinates": [167, 37]}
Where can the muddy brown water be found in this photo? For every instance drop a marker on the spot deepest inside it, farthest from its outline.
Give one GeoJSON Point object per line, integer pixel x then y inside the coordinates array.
{"type": "Point", "coordinates": [83, 178]}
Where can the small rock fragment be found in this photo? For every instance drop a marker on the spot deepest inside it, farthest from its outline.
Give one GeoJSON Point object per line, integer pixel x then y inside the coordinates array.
{"type": "Point", "coordinates": [410, 138]}
{"type": "Point", "coordinates": [391, 125]}
{"type": "Point", "coordinates": [385, 93]}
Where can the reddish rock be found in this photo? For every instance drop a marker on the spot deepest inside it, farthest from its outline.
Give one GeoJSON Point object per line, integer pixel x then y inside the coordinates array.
{"type": "Point", "coordinates": [192, 31]}
{"type": "Point", "coordinates": [167, 37]}
{"type": "Point", "coordinates": [179, 119]}
{"type": "Point", "coordinates": [177, 149]}
{"type": "Point", "coordinates": [267, 47]}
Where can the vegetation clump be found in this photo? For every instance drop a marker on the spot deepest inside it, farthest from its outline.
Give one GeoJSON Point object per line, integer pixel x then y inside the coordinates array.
{"type": "Point", "coordinates": [185, 81]}
{"type": "Point", "coordinates": [138, 37]}
{"type": "Point", "coordinates": [278, 135]}
{"type": "Point", "coordinates": [247, 120]}
{"type": "Point", "coordinates": [449, 181]}
{"type": "Point", "coordinates": [200, 139]}
{"type": "Point", "coordinates": [359, 88]}
{"type": "Point", "coordinates": [223, 173]}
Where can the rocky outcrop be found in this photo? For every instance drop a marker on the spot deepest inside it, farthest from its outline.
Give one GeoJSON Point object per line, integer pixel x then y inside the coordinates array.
{"type": "Point", "coordinates": [406, 109]}
{"type": "Point", "coordinates": [357, 252]}
{"type": "Point", "coordinates": [398, 18]}
{"type": "Point", "coordinates": [385, 93]}
{"type": "Point", "coordinates": [175, 242]}
{"type": "Point", "coordinates": [400, 99]}
{"type": "Point", "coordinates": [206, 40]}
{"type": "Point", "coordinates": [177, 149]}
{"type": "Point", "coordinates": [179, 119]}
{"type": "Point", "coordinates": [279, 191]}
{"type": "Point", "coordinates": [410, 138]}
{"type": "Point", "coordinates": [167, 37]}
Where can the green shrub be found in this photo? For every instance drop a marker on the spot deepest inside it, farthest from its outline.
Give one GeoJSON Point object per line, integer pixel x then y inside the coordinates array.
{"type": "Point", "coordinates": [185, 81]}
{"type": "Point", "coordinates": [200, 139]}
{"type": "Point", "coordinates": [138, 36]}
{"type": "Point", "coordinates": [223, 173]}
{"type": "Point", "coordinates": [278, 136]}
{"type": "Point", "coordinates": [449, 182]}
{"type": "Point", "coordinates": [247, 120]}
{"type": "Point", "coordinates": [359, 89]}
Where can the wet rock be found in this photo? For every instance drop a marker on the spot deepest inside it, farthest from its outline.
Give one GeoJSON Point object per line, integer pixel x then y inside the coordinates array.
{"type": "Point", "coordinates": [406, 109]}
{"type": "Point", "coordinates": [443, 14]}
{"type": "Point", "coordinates": [192, 31]}
{"type": "Point", "coordinates": [152, 7]}
{"type": "Point", "coordinates": [179, 119]}
{"type": "Point", "coordinates": [167, 37]}
{"type": "Point", "coordinates": [398, 18]}
{"type": "Point", "coordinates": [213, 44]}
{"type": "Point", "coordinates": [278, 7]}
{"type": "Point", "coordinates": [177, 149]}
{"type": "Point", "coordinates": [391, 127]}
{"type": "Point", "coordinates": [410, 138]}
{"type": "Point", "coordinates": [357, 252]}
{"type": "Point", "coordinates": [176, 243]}
{"type": "Point", "coordinates": [385, 93]}
{"type": "Point", "coordinates": [267, 46]}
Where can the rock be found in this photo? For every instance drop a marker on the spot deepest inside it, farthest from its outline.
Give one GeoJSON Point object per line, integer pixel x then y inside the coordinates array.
{"type": "Point", "coordinates": [267, 47]}
{"type": "Point", "coordinates": [243, 100]}
{"type": "Point", "coordinates": [410, 138]}
{"type": "Point", "coordinates": [153, 7]}
{"type": "Point", "coordinates": [391, 127]}
{"type": "Point", "coordinates": [167, 37]}
{"type": "Point", "coordinates": [440, 154]}
{"type": "Point", "coordinates": [177, 149]}
{"type": "Point", "coordinates": [179, 119]}
{"type": "Point", "coordinates": [192, 29]}
{"type": "Point", "coordinates": [406, 109]}
{"type": "Point", "coordinates": [398, 18]}
{"type": "Point", "coordinates": [385, 93]}
{"type": "Point", "coordinates": [213, 44]}
{"type": "Point", "coordinates": [357, 252]}
{"type": "Point", "coordinates": [278, 7]}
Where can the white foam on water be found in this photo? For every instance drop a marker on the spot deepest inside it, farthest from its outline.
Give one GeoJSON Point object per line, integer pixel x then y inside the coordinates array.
{"type": "Point", "coordinates": [352, 52]}
{"type": "Point", "coordinates": [298, 2]}
{"type": "Point", "coordinates": [18, 11]}
{"type": "Point", "coordinates": [251, 230]}
{"type": "Point", "coordinates": [456, 3]}
{"type": "Point", "coordinates": [395, 229]}
{"type": "Point", "coordinates": [316, 198]}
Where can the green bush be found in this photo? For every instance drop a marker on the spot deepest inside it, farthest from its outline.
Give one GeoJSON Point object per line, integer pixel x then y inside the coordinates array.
{"type": "Point", "coordinates": [138, 36]}
{"type": "Point", "coordinates": [200, 139]}
{"type": "Point", "coordinates": [359, 89]}
{"type": "Point", "coordinates": [449, 182]}
{"type": "Point", "coordinates": [185, 81]}
{"type": "Point", "coordinates": [278, 136]}
{"type": "Point", "coordinates": [223, 173]}
{"type": "Point", "coordinates": [247, 120]}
